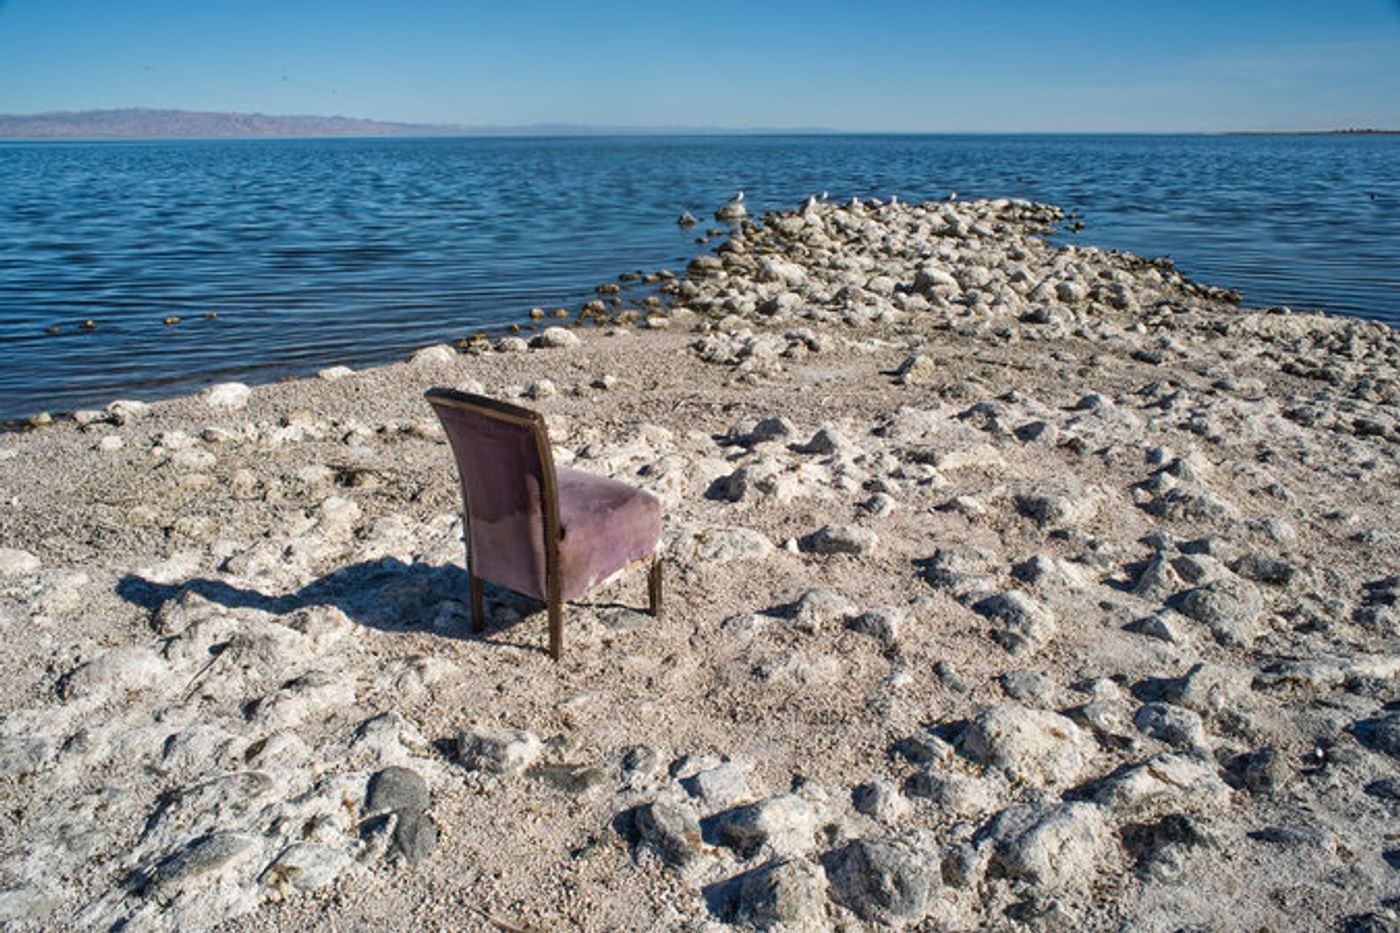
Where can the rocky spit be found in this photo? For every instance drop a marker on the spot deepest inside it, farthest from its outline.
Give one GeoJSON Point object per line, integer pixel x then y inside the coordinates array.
{"type": "Point", "coordinates": [1008, 586]}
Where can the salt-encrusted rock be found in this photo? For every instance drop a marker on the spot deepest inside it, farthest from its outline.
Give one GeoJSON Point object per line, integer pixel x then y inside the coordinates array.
{"type": "Point", "coordinates": [123, 411]}
{"type": "Point", "coordinates": [672, 832]}
{"type": "Point", "coordinates": [787, 892]}
{"type": "Point", "coordinates": [1033, 746]}
{"type": "Point", "coordinates": [1171, 724]}
{"type": "Point", "coordinates": [786, 823]}
{"type": "Point", "coordinates": [1026, 624]}
{"type": "Point", "coordinates": [821, 607]}
{"type": "Point", "coordinates": [1208, 688]}
{"type": "Point", "coordinates": [1111, 721]}
{"type": "Point", "coordinates": [227, 396]}
{"type": "Point", "coordinates": [884, 880]}
{"type": "Point", "coordinates": [555, 338]}
{"type": "Point", "coordinates": [304, 866]}
{"type": "Point", "coordinates": [1055, 847]}
{"type": "Point", "coordinates": [842, 539]}
{"type": "Point", "coordinates": [507, 751]}
{"type": "Point", "coordinates": [1053, 507]}
{"type": "Point", "coordinates": [962, 796]}
{"type": "Point", "coordinates": [881, 800]}
{"type": "Point", "coordinates": [334, 373]}
{"type": "Point", "coordinates": [21, 755]}
{"type": "Point", "coordinates": [827, 441]}
{"type": "Point", "coordinates": [541, 389]}
{"type": "Point", "coordinates": [512, 345]}
{"type": "Point", "coordinates": [1267, 771]}
{"type": "Point", "coordinates": [715, 545]}
{"type": "Point", "coordinates": [966, 572]}
{"type": "Point", "coordinates": [1162, 784]}
{"type": "Point", "coordinates": [1381, 733]}
{"type": "Point", "coordinates": [15, 563]}
{"type": "Point", "coordinates": [882, 624]}
{"type": "Point", "coordinates": [438, 355]}
{"type": "Point", "coordinates": [1228, 607]}
{"type": "Point", "coordinates": [130, 668]}
{"type": "Point", "coordinates": [916, 370]}
{"type": "Point", "coordinates": [717, 787]}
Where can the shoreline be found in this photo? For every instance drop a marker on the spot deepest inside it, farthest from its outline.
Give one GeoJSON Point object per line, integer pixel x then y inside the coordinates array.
{"type": "Point", "coordinates": [1023, 581]}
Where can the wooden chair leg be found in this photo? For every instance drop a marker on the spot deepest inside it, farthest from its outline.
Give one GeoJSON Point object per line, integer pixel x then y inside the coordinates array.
{"type": "Point", "coordinates": [478, 623]}
{"type": "Point", "coordinates": [556, 629]}
{"type": "Point", "coordinates": [654, 588]}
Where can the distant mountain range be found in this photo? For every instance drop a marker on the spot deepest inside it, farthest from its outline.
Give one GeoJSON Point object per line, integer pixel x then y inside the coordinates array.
{"type": "Point", "coordinates": [142, 123]}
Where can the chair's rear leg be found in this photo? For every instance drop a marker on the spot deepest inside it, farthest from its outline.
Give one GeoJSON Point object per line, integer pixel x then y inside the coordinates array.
{"type": "Point", "coordinates": [556, 629]}
{"type": "Point", "coordinates": [478, 624]}
{"type": "Point", "coordinates": [654, 588]}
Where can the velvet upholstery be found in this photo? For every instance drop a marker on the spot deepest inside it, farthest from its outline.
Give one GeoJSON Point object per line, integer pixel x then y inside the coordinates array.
{"type": "Point", "coordinates": [547, 533]}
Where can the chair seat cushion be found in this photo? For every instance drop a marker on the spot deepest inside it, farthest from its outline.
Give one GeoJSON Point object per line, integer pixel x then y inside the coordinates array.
{"type": "Point", "coordinates": [606, 526]}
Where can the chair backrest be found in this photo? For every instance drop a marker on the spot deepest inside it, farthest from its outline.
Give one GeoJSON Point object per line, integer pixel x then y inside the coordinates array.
{"type": "Point", "coordinates": [508, 487]}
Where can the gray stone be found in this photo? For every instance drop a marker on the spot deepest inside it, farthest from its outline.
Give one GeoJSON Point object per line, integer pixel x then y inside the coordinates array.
{"type": "Point", "coordinates": [717, 787]}
{"type": "Point", "coordinates": [576, 779]}
{"type": "Point", "coordinates": [415, 836]}
{"type": "Point", "coordinates": [880, 800]}
{"type": "Point", "coordinates": [1171, 724]}
{"type": "Point", "coordinates": [1228, 607]}
{"type": "Point", "coordinates": [771, 429]}
{"type": "Point", "coordinates": [842, 539]}
{"type": "Point", "coordinates": [882, 624]}
{"type": "Point", "coordinates": [437, 355]}
{"type": "Point", "coordinates": [508, 751]}
{"type": "Point", "coordinates": [790, 892]}
{"type": "Point", "coordinates": [197, 864]}
{"type": "Point", "coordinates": [397, 788]}
{"type": "Point", "coordinates": [817, 608]}
{"type": "Point", "coordinates": [1209, 688]}
{"type": "Point", "coordinates": [884, 881]}
{"type": "Point", "coordinates": [1027, 625]}
{"type": "Point", "coordinates": [1030, 687]}
{"type": "Point", "coordinates": [785, 822]}
{"type": "Point", "coordinates": [672, 832]}
{"type": "Point", "coordinates": [1267, 771]}
{"type": "Point", "coordinates": [963, 796]}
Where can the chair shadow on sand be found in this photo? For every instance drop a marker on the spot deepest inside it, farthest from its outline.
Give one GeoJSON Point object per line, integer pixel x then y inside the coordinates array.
{"type": "Point", "coordinates": [386, 594]}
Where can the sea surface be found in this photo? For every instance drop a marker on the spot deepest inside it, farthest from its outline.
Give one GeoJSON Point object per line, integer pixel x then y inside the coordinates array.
{"type": "Point", "coordinates": [281, 257]}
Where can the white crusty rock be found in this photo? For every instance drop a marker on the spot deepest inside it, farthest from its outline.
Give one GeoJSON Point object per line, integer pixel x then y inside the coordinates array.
{"type": "Point", "coordinates": [227, 396]}
{"type": "Point", "coordinates": [842, 539]}
{"type": "Point", "coordinates": [15, 563]}
{"type": "Point", "coordinates": [1163, 784]}
{"type": "Point", "coordinates": [1055, 847]}
{"type": "Point", "coordinates": [1026, 624]}
{"type": "Point", "coordinates": [1032, 746]}
{"type": "Point", "coordinates": [555, 337]}
{"type": "Point", "coordinates": [506, 751]}
{"type": "Point", "coordinates": [437, 355]}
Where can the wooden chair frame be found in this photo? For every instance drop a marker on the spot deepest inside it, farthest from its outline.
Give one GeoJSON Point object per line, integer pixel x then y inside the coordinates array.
{"type": "Point", "coordinates": [549, 507]}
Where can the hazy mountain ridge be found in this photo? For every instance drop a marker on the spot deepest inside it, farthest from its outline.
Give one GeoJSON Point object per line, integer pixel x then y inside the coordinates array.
{"type": "Point", "coordinates": [142, 123]}
{"type": "Point", "coordinates": [146, 123]}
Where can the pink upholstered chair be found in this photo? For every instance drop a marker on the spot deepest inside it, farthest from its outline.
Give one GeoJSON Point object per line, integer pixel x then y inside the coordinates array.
{"type": "Point", "coordinates": [549, 533]}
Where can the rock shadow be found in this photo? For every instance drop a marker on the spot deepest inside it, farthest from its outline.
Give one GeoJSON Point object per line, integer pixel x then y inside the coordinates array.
{"type": "Point", "coordinates": [387, 594]}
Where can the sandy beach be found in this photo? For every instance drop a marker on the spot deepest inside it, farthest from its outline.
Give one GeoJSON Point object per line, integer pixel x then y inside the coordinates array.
{"type": "Point", "coordinates": [1008, 586]}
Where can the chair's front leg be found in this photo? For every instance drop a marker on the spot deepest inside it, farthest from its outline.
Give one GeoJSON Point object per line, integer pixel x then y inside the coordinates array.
{"type": "Point", "coordinates": [654, 588]}
{"type": "Point", "coordinates": [556, 629]}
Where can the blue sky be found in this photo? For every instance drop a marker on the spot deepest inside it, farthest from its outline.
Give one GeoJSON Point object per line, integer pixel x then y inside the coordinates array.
{"type": "Point", "coordinates": [897, 65]}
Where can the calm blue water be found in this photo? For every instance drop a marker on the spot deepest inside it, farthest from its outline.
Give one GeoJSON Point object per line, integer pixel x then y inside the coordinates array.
{"type": "Point", "coordinates": [313, 252]}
